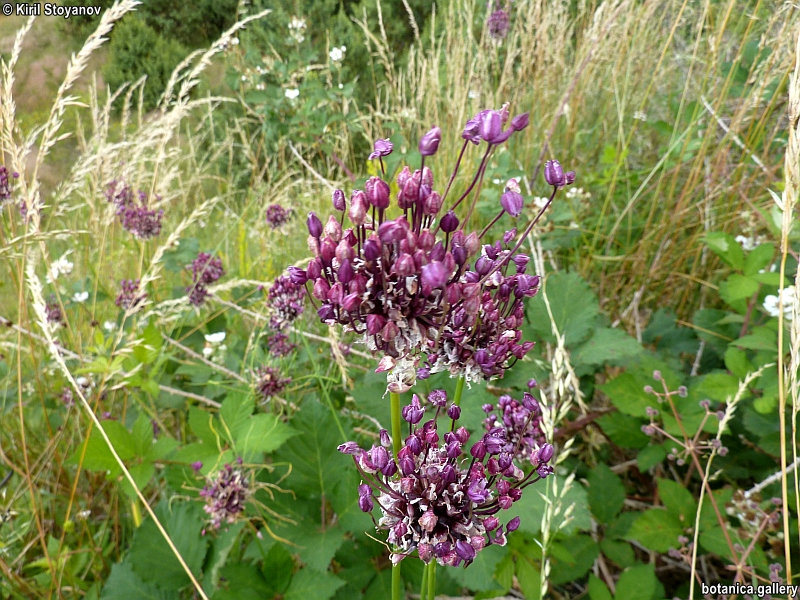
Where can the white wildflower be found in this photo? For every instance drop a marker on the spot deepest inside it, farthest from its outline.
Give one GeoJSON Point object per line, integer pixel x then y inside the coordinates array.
{"type": "Point", "coordinates": [640, 116]}
{"type": "Point", "coordinates": [788, 298]}
{"type": "Point", "coordinates": [540, 202]}
{"type": "Point", "coordinates": [215, 338]}
{"type": "Point", "coordinates": [109, 326]}
{"type": "Point", "coordinates": [80, 297]}
{"type": "Point", "coordinates": [337, 54]}
{"type": "Point", "coordinates": [292, 93]}
{"type": "Point", "coordinates": [472, 94]}
{"type": "Point", "coordinates": [747, 243]}
{"type": "Point", "coordinates": [60, 266]}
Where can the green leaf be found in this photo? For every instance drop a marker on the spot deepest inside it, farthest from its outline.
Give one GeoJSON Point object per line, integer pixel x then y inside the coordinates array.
{"type": "Point", "coordinates": [124, 584]}
{"type": "Point", "coordinates": [317, 548]}
{"type": "Point", "coordinates": [142, 435]}
{"type": "Point", "coordinates": [479, 577]}
{"type": "Point", "coordinates": [234, 413]}
{"type": "Point", "coordinates": [637, 582]}
{"type": "Point", "coordinates": [573, 304]}
{"type": "Point", "coordinates": [656, 530]}
{"type": "Point", "coordinates": [649, 457]}
{"type": "Point", "coordinates": [142, 474]}
{"type": "Point", "coordinates": [736, 362]}
{"type": "Point", "coordinates": [718, 386]}
{"type": "Point", "coordinates": [242, 581]}
{"type": "Point", "coordinates": [529, 578]}
{"type": "Point", "coordinates": [607, 346]}
{"type": "Point", "coordinates": [583, 551]}
{"type": "Point", "coordinates": [530, 509]}
{"type": "Point", "coordinates": [627, 393]}
{"type": "Point", "coordinates": [758, 341]}
{"type": "Point", "coordinates": [98, 456]}
{"type": "Point", "coordinates": [620, 553]}
{"type": "Point", "coordinates": [316, 465]}
{"type": "Point", "coordinates": [727, 248]}
{"type": "Point", "coordinates": [308, 583]}
{"type": "Point", "coordinates": [262, 433]}
{"type": "Point", "coordinates": [758, 258]}
{"type": "Point", "coordinates": [606, 493]}
{"type": "Point", "coordinates": [678, 500]}
{"type": "Point", "coordinates": [598, 590]}
{"type": "Point", "coordinates": [345, 503]}
{"type": "Point", "coordinates": [220, 548]}
{"type": "Point", "coordinates": [151, 557]}
{"type": "Point", "coordinates": [381, 586]}
{"type": "Point", "coordinates": [625, 431]}
{"type": "Point", "coordinates": [278, 569]}
{"type": "Point", "coordinates": [202, 426]}
{"type": "Point", "coordinates": [738, 287]}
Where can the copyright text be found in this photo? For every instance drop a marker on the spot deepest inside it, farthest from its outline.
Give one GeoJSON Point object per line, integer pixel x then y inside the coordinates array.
{"type": "Point", "coordinates": [48, 9]}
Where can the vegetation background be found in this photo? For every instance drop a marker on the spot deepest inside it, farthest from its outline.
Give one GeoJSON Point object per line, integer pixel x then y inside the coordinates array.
{"type": "Point", "coordinates": [669, 255]}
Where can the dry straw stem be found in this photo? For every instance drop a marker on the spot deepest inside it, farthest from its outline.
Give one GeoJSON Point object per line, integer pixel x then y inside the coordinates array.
{"type": "Point", "coordinates": [730, 409]}
{"type": "Point", "coordinates": [787, 205]}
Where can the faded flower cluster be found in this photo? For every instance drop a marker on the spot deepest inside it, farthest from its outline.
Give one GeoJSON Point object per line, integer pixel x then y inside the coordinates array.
{"type": "Point", "coordinates": [225, 496]}
{"type": "Point", "coordinates": [446, 502]}
{"type": "Point", "coordinates": [286, 300]}
{"type": "Point", "coordinates": [206, 269]}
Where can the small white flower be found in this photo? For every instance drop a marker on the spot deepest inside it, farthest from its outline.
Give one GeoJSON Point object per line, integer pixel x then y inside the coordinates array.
{"type": "Point", "coordinates": [472, 94]}
{"type": "Point", "coordinates": [747, 243]}
{"type": "Point", "coordinates": [82, 515]}
{"type": "Point", "coordinates": [292, 93]}
{"type": "Point", "coordinates": [244, 77]}
{"type": "Point", "coordinates": [640, 116]}
{"type": "Point", "coordinates": [208, 351]}
{"type": "Point", "coordinates": [235, 41]}
{"type": "Point", "coordinates": [341, 86]}
{"type": "Point", "coordinates": [215, 338]}
{"type": "Point", "coordinates": [336, 54]}
{"type": "Point", "coordinates": [540, 202]}
{"type": "Point", "coordinates": [496, 181]}
{"type": "Point", "coordinates": [109, 326]}
{"type": "Point", "coordinates": [60, 266]}
{"type": "Point", "coordinates": [788, 297]}
{"type": "Point", "coordinates": [80, 297]}
{"type": "Point", "coordinates": [574, 225]}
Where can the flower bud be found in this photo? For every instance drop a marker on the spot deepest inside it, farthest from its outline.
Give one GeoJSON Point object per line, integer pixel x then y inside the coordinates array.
{"type": "Point", "coordinates": [321, 289]}
{"type": "Point", "coordinates": [349, 448]}
{"type": "Point", "coordinates": [407, 465]}
{"type": "Point", "coordinates": [520, 122]}
{"type": "Point", "coordinates": [512, 203]}
{"type": "Point", "coordinates": [333, 229]}
{"type": "Point", "coordinates": [345, 273]}
{"type": "Point", "coordinates": [454, 412]}
{"type": "Point", "coordinates": [391, 231]}
{"type": "Point", "coordinates": [449, 222]}
{"type": "Point", "coordinates": [453, 449]}
{"type": "Point", "coordinates": [483, 265]}
{"type": "Point", "coordinates": [381, 148]}
{"type": "Point", "coordinates": [344, 251]}
{"type": "Point", "coordinates": [429, 143]}
{"type": "Point", "coordinates": [414, 444]}
{"type": "Point", "coordinates": [372, 249]}
{"type": "Point", "coordinates": [404, 265]}
{"type": "Point", "coordinates": [351, 302]}
{"type": "Point", "coordinates": [464, 550]}
{"type": "Point", "coordinates": [326, 313]}
{"type": "Point", "coordinates": [570, 177]}
{"type": "Point", "coordinates": [338, 200]}
{"type": "Point", "coordinates": [554, 174]}
{"type": "Point", "coordinates": [386, 441]}
{"type": "Point", "coordinates": [491, 523]}
{"type": "Point", "coordinates": [432, 204]}
{"type": "Point", "coordinates": [297, 275]}
{"type": "Point", "coordinates": [389, 332]}
{"type": "Point", "coordinates": [377, 192]}
{"type": "Point", "coordinates": [390, 469]}
{"type": "Point", "coordinates": [375, 323]}
{"type": "Point", "coordinates": [546, 453]}
{"type": "Point", "coordinates": [314, 225]}
{"type": "Point", "coordinates": [314, 270]}
{"type": "Point", "coordinates": [358, 207]}
{"type": "Point", "coordinates": [434, 275]}
{"type": "Point", "coordinates": [379, 457]}
{"type": "Point", "coordinates": [491, 126]}
{"type": "Point", "coordinates": [478, 450]}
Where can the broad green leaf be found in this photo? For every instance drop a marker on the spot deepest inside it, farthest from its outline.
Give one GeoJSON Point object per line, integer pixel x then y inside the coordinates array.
{"type": "Point", "coordinates": [235, 413]}
{"type": "Point", "coordinates": [638, 582]}
{"type": "Point", "coordinates": [678, 500]}
{"type": "Point", "coordinates": [727, 248]}
{"type": "Point", "coordinates": [759, 340]}
{"type": "Point", "coordinates": [142, 435]}
{"type": "Point", "coordinates": [479, 577]}
{"type": "Point", "coordinates": [758, 258]}
{"type": "Point", "coordinates": [242, 581]}
{"type": "Point", "coordinates": [625, 431]}
{"type": "Point", "coordinates": [656, 530]}
{"type": "Point", "coordinates": [620, 553]}
{"type": "Point", "coordinates": [381, 586]}
{"type": "Point", "coordinates": [308, 583]}
{"type": "Point", "coordinates": [162, 448]}
{"type": "Point", "coordinates": [151, 557]}
{"type": "Point", "coordinates": [317, 548]}
{"type": "Point", "coordinates": [626, 392]}
{"type": "Point", "coordinates": [583, 551]}
{"type": "Point", "coordinates": [316, 464]}
{"type": "Point", "coordinates": [718, 386]}
{"type": "Point", "coordinates": [650, 456]}
{"type": "Point", "coordinates": [530, 508]}
{"type": "Point", "coordinates": [203, 426]}
{"type": "Point", "coordinates": [142, 474]}
{"type": "Point", "coordinates": [607, 346]}
{"type": "Point", "coordinates": [220, 548]}
{"type": "Point", "coordinates": [262, 433]}
{"type": "Point", "coordinates": [98, 456]}
{"type": "Point", "coordinates": [738, 287]}
{"type": "Point", "coordinates": [606, 493]}
{"type": "Point", "coordinates": [736, 362]}
{"type": "Point", "coordinates": [124, 584]}
{"type": "Point", "coordinates": [529, 578]}
{"type": "Point", "coordinates": [598, 590]}
{"type": "Point", "coordinates": [574, 307]}
{"type": "Point", "coordinates": [278, 569]}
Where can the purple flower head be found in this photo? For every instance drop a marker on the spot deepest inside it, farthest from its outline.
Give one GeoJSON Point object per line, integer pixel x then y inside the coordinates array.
{"type": "Point", "coordinates": [554, 174]}
{"type": "Point", "coordinates": [286, 300]}
{"type": "Point", "coordinates": [225, 494]}
{"type": "Point", "coordinates": [5, 185]}
{"type": "Point", "coordinates": [52, 311]}
{"type": "Point", "coordinates": [381, 148]}
{"type": "Point", "coordinates": [445, 504]}
{"type": "Point", "coordinates": [413, 413]}
{"type": "Point", "coordinates": [277, 216]}
{"type": "Point", "coordinates": [196, 466]}
{"type": "Point", "coordinates": [429, 143]}
{"type": "Point", "coordinates": [270, 382]}
{"type": "Point", "coordinates": [279, 345]}
{"type": "Point", "coordinates": [130, 297]}
{"type": "Point", "coordinates": [438, 398]}
{"type": "Point", "coordinates": [520, 122]}
{"type": "Point", "coordinates": [520, 426]}
{"type": "Point", "coordinates": [314, 225]}
{"type": "Point", "coordinates": [498, 24]}
{"type": "Point", "coordinates": [206, 269]}
{"type": "Point", "coordinates": [132, 212]}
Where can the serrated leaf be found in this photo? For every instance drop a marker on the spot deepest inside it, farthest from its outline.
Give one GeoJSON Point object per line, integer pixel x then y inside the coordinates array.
{"type": "Point", "coordinates": [124, 584]}
{"type": "Point", "coordinates": [726, 247]}
{"type": "Point", "coordinates": [316, 464]}
{"type": "Point", "coordinates": [583, 551]}
{"type": "Point", "coordinates": [625, 431]}
{"type": "Point", "coordinates": [98, 456]}
{"type": "Point", "coordinates": [308, 583]}
{"type": "Point", "coordinates": [151, 557]}
{"type": "Point", "coordinates": [758, 342]}
{"type": "Point", "coordinates": [262, 433]}
{"type": "Point", "coordinates": [142, 435]}
{"type": "Point", "coordinates": [607, 346]}
{"type": "Point", "coordinates": [637, 582]}
{"type": "Point", "coordinates": [235, 413]}
{"type": "Point", "coordinates": [529, 578]}
{"type": "Point", "coordinates": [598, 590]}
{"type": "Point", "coordinates": [317, 548]}
{"type": "Point", "coordinates": [220, 548]}
{"type": "Point", "coordinates": [278, 569]}
{"type": "Point", "coordinates": [656, 530]}
{"type": "Point", "coordinates": [479, 577]}
{"type": "Point", "coordinates": [202, 424]}
{"type": "Point", "coordinates": [649, 457]}
{"type": "Point", "coordinates": [627, 393]}
{"type": "Point", "coordinates": [620, 553]}
{"type": "Point", "coordinates": [606, 493]}
{"type": "Point", "coordinates": [758, 258]}
{"type": "Point", "coordinates": [718, 386]}
{"type": "Point", "coordinates": [242, 581]}
{"type": "Point", "coordinates": [738, 287]}
{"type": "Point", "coordinates": [142, 474]}
{"type": "Point", "coordinates": [574, 306]}
{"type": "Point", "coordinates": [678, 500]}
{"type": "Point", "coordinates": [530, 509]}
{"type": "Point", "coordinates": [736, 362]}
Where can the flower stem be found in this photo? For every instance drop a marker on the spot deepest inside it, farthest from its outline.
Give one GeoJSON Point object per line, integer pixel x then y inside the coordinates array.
{"type": "Point", "coordinates": [423, 588]}
{"type": "Point", "coordinates": [394, 399]}
{"type": "Point", "coordinates": [396, 422]}
{"type": "Point", "coordinates": [459, 391]}
{"type": "Point", "coordinates": [432, 580]}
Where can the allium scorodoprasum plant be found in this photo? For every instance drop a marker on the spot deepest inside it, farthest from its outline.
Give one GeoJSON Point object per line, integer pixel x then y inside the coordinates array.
{"type": "Point", "coordinates": [429, 295]}
{"type": "Point", "coordinates": [132, 212]}
{"type": "Point", "coordinates": [407, 283]}
{"type": "Point", "coordinates": [439, 499]}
